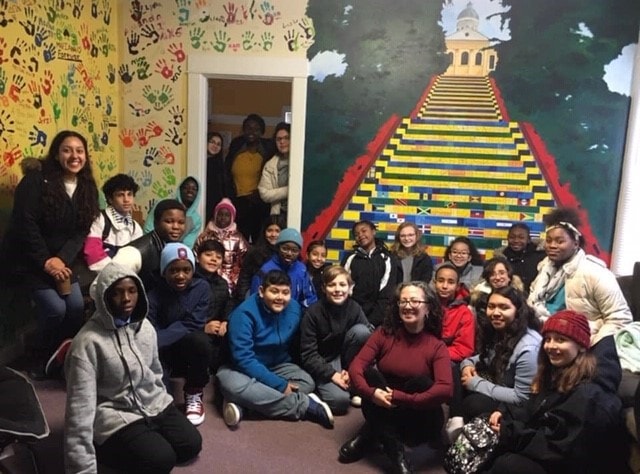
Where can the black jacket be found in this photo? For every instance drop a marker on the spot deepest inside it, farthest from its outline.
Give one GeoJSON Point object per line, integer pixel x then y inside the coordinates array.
{"type": "Point", "coordinates": [577, 432]}
{"type": "Point", "coordinates": [322, 332]}
{"type": "Point", "coordinates": [375, 280]}
{"type": "Point", "coordinates": [220, 300]}
{"type": "Point", "coordinates": [525, 263]}
{"type": "Point", "coordinates": [30, 241]}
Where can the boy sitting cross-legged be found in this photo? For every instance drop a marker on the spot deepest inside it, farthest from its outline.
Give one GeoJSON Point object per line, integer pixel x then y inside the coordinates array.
{"type": "Point", "coordinates": [178, 309]}
{"type": "Point", "coordinates": [261, 375]}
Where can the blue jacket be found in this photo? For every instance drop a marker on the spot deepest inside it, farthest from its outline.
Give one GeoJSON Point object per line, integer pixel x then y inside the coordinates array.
{"type": "Point", "coordinates": [302, 289]}
{"type": "Point", "coordinates": [260, 339]}
{"type": "Point", "coordinates": [174, 314]}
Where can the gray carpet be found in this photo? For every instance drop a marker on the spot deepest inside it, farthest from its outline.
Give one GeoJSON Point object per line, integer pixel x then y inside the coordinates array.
{"type": "Point", "coordinates": [256, 446]}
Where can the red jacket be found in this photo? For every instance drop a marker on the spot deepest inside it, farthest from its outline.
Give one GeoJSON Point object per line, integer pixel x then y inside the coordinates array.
{"type": "Point", "coordinates": [458, 328]}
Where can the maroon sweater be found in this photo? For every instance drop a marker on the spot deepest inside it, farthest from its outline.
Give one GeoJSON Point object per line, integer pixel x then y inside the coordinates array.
{"type": "Point", "coordinates": [401, 357]}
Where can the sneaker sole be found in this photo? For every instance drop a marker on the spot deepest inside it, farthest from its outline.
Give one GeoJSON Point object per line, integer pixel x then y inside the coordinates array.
{"type": "Point", "coordinates": [53, 360]}
{"type": "Point", "coordinates": [327, 410]}
{"type": "Point", "coordinates": [195, 419]}
{"type": "Point", "coordinates": [231, 414]}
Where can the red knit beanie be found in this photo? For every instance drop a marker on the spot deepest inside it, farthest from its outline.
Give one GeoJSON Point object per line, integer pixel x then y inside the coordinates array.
{"type": "Point", "coordinates": [570, 324]}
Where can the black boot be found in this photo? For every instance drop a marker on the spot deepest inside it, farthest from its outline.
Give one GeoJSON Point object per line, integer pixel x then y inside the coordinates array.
{"type": "Point", "coordinates": [355, 449]}
{"type": "Point", "coordinates": [394, 449]}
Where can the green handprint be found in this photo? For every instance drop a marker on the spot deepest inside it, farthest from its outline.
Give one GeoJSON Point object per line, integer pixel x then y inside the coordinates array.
{"type": "Point", "coordinates": [267, 40]}
{"type": "Point", "coordinates": [196, 35]}
{"type": "Point", "coordinates": [3, 81]}
{"type": "Point", "coordinates": [222, 41]}
{"type": "Point", "coordinates": [169, 176]}
{"type": "Point", "coordinates": [57, 110]}
{"type": "Point", "coordinates": [160, 190]}
{"type": "Point", "coordinates": [247, 40]}
{"type": "Point", "coordinates": [149, 94]}
{"type": "Point", "coordinates": [143, 69]}
{"type": "Point", "coordinates": [165, 95]}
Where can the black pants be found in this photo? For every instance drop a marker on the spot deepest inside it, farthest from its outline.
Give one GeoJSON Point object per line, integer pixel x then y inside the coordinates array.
{"type": "Point", "coordinates": [251, 212]}
{"type": "Point", "coordinates": [410, 425]}
{"type": "Point", "coordinates": [511, 463]}
{"type": "Point", "coordinates": [151, 446]}
{"type": "Point", "coordinates": [476, 404]}
{"type": "Point", "coordinates": [189, 357]}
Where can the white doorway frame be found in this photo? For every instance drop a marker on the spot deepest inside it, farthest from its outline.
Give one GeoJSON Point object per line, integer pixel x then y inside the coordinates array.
{"type": "Point", "coordinates": [202, 67]}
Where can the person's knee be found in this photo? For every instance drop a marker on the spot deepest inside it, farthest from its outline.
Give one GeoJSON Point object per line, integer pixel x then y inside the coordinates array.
{"type": "Point", "coordinates": [162, 461]}
{"type": "Point", "coordinates": [359, 333]}
{"type": "Point", "coordinates": [339, 404]}
{"type": "Point", "coordinates": [190, 448]}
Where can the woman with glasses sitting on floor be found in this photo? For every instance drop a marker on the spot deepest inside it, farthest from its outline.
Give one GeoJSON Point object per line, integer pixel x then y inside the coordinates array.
{"type": "Point", "coordinates": [403, 374]}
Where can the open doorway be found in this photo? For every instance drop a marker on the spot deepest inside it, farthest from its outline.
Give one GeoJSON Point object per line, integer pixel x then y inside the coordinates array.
{"type": "Point", "coordinates": [204, 68]}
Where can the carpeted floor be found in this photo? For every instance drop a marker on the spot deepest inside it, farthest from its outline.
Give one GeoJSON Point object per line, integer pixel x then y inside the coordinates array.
{"type": "Point", "coordinates": [256, 446]}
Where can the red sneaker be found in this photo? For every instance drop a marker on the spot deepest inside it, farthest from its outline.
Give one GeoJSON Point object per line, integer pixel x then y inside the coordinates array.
{"type": "Point", "coordinates": [193, 407]}
{"type": "Point", "coordinates": [56, 361]}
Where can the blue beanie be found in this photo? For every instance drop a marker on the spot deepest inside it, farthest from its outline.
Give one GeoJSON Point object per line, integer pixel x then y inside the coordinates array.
{"type": "Point", "coordinates": [175, 251]}
{"type": "Point", "coordinates": [289, 235]}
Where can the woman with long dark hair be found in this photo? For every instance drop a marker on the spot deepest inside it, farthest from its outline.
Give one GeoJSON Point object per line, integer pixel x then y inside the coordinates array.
{"type": "Point", "coordinates": [52, 214]}
{"type": "Point", "coordinates": [504, 367]}
{"type": "Point", "coordinates": [403, 374]}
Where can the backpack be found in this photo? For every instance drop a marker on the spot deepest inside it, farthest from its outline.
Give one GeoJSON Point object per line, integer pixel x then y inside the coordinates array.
{"type": "Point", "coordinates": [110, 249]}
{"type": "Point", "coordinates": [472, 449]}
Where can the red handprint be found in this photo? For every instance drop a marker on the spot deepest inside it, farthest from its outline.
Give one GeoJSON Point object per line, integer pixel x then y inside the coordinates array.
{"type": "Point", "coordinates": [10, 157]}
{"type": "Point", "coordinates": [177, 51]}
{"type": "Point", "coordinates": [167, 154]}
{"type": "Point", "coordinates": [164, 69]}
{"type": "Point", "coordinates": [154, 129]}
{"type": "Point", "coordinates": [141, 136]}
{"type": "Point", "coordinates": [126, 137]}
{"type": "Point", "coordinates": [47, 82]}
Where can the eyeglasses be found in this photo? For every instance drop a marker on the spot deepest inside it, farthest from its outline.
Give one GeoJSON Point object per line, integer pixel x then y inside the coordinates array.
{"type": "Point", "coordinates": [413, 303]}
{"type": "Point", "coordinates": [459, 253]}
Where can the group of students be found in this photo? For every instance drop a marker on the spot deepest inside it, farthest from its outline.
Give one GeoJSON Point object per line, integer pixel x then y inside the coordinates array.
{"type": "Point", "coordinates": [292, 340]}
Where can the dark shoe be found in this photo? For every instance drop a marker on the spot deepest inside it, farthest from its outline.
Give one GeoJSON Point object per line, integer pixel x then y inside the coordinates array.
{"type": "Point", "coordinates": [354, 449]}
{"type": "Point", "coordinates": [395, 451]}
{"type": "Point", "coordinates": [319, 412]}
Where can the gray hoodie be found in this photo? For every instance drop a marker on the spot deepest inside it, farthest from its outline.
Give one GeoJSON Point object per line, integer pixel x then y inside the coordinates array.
{"type": "Point", "coordinates": [114, 376]}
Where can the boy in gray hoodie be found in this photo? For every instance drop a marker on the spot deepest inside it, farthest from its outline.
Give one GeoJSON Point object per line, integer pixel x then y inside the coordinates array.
{"type": "Point", "coordinates": [118, 412]}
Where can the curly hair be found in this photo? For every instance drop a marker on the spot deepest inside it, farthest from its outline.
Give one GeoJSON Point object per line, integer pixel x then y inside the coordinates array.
{"type": "Point", "coordinates": [567, 218]}
{"type": "Point", "coordinates": [502, 344]}
{"type": "Point", "coordinates": [491, 265]}
{"type": "Point", "coordinates": [433, 323]}
{"type": "Point", "coordinates": [85, 197]}
{"type": "Point", "coordinates": [476, 259]}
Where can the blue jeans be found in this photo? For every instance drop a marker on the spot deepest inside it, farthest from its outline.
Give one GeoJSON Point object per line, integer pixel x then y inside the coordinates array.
{"type": "Point", "coordinates": [247, 392]}
{"type": "Point", "coordinates": [59, 317]}
{"type": "Point", "coordinates": [334, 396]}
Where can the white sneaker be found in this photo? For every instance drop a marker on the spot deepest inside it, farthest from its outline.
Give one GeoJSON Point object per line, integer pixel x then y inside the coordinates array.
{"type": "Point", "coordinates": [356, 401]}
{"type": "Point", "coordinates": [194, 408]}
{"type": "Point", "coordinates": [454, 427]}
{"type": "Point", "coordinates": [231, 413]}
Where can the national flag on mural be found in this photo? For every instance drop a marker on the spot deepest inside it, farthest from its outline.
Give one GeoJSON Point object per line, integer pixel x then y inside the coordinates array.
{"type": "Point", "coordinates": [524, 202]}
{"type": "Point", "coordinates": [474, 198]}
{"type": "Point", "coordinates": [424, 228]}
{"type": "Point", "coordinates": [400, 202]}
{"type": "Point", "coordinates": [423, 211]}
{"type": "Point", "coordinates": [476, 232]}
{"type": "Point", "coordinates": [397, 217]}
{"type": "Point", "coordinates": [477, 214]}
{"type": "Point", "coordinates": [527, 217]}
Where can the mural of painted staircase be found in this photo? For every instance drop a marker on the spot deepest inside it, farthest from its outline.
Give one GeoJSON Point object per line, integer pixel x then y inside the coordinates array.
{"type": "Point", "coordinates": [455, 166]}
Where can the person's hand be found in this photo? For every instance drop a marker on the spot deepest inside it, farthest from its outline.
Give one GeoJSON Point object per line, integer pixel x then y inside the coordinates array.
{"type": "Point", "coordinates": [53, 266]}
{"type": "Point", "coordinates": [223, 328]}
{"type": "Point", "coordinates": [345, 377]}
{"type": "Point", "coordinates": [64, 274]}
{"type": "Point", "coordinates": [467, 374]}
{"type": "Point", "coordinates": [338, 379]}
{"type": "Point", "coordinates": [383, 398]}
{"type": "Point", "coordinates": [291, 387]}
{"type": "Point", "coordinates": [213, 327]}
{"type": "Point", "coordinates": [494, 421]}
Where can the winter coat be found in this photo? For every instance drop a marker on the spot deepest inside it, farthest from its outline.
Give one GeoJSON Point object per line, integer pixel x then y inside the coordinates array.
{"type": "Point", "coordinates": [458, 328]}
{"type": "Point", "coordinates": [219, 298]}
{"type": "Point", "coordinates": [114, 376]}
{"type": "Point", "coordinates": [590, 289]}
{"type": "Point", "coordinates": [302, 289]}
{"type": "Point", "coordinates": [175, 314]}
{"type": "Point", "coordinates": [268, 188]}
{"type": "Point", "coordinates": [322, 333]}
{"type": "Point", "coordinates": [525, 262]}
{"type": "Point", "coordinates": [260, 339]}
{"type": "Point", "coordinates": [576, 432]}
{"type": "Point", "coordinates": [421, 268]}
{"type": "Point", "coordinates": [375, 280]}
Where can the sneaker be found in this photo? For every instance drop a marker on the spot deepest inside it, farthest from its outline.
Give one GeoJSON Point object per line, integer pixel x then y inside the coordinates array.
{"type": "Point", "coordinates": [356, 401]}
{"type": "Point", "coordinates": [193, 407]}
{"type": "Point", "coordinates": [454, 427]}
{"type": "Point", "coordinates": [56, 361]}
{"type": "Point", "coordinates": [231, 413]}
{"type": "Point", "coordinates": [319, 412]}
